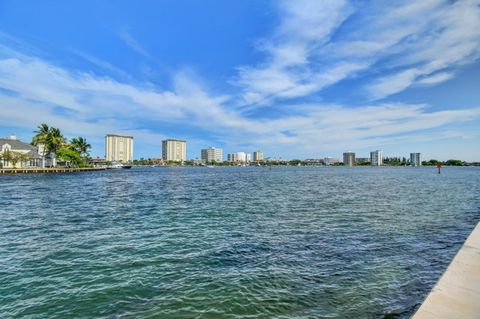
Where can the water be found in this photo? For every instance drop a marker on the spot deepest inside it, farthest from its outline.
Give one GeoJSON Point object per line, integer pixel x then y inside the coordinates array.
{"type": "Point", "coordinates": [230, 242]}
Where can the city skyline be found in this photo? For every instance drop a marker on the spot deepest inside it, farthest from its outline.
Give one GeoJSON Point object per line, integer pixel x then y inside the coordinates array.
{"type": "Point", "coordinates": [280, 76]}
{"type": "Point", "coordinates": [257, 155]}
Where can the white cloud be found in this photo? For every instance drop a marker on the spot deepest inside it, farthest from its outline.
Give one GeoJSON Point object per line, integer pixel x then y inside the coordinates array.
{"type": "Point", "coordinates": [445, 38]}
{"type": "Point", "coordinates": [84, 104]}
{"type": "Point", "coordinates": [286, 73]}
{"type": "Point", "coordinates": [436, 78]}
{"type": "Point", "coordinates": [319, 43]}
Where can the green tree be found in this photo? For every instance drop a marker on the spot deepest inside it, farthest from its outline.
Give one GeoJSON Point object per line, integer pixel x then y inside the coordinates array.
{"type": "Point", "coordinates": [80, 145]}
{"type": "Point", "coordinates": [453, 162]}
{"type": "Point", "coordinates": [51, 140]}
{"type": "Point", "coordinates": [55, 140]}
{"type": "Point", "coordinates": [41, 134]}
{"type": "Point", "coordinates": [16, 157]}
{"type": "Point", "coordinates": [7, 156]}
{"type": "Point", "coordinates": [19, 158]}
{"type": "Point", "coordinates": [41, 139]}
{"type": "Point", "coordinates": [70, 155]}
{"type": "Point", "coordinates": [294, 162]}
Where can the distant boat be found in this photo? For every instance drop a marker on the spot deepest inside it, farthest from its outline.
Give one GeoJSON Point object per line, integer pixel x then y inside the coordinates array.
{"type": "Point", "coordinates": [118, 166]}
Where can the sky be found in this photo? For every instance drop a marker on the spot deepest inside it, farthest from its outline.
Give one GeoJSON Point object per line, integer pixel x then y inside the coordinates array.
{"type": "Point", "coordinates": [295, 79]}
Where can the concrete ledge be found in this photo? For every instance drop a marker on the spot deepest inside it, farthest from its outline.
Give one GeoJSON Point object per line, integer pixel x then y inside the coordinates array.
{"type": "Point", "coordinates": [46, 170]}
{"type": "Point", "coordinates": [457, 294]}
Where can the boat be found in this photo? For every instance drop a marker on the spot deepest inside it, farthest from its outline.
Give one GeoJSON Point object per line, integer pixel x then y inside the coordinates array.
{"type": "Point", "coordinates": [117, 165]}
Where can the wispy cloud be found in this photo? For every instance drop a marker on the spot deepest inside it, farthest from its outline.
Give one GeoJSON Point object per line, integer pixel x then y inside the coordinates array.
{"type": "Point", "coordinates": [436, 78]}
{"type": "Point", "coordinates": [445, 39]}
{"type": "Point", "coordinates": [320, 43]}
{"type": "Point", "coordinates": [129, 40]}
{"type": "Point", "coordinates": [288, 70]}
{"type": "Point", "coordinates": [100, 63]}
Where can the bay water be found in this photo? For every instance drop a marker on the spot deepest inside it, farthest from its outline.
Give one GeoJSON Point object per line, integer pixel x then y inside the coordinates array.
{"type": "Point", "coordinates": [230, 242]}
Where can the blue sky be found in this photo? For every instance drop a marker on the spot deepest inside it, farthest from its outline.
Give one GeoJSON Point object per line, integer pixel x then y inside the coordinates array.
{"type": "Point", "coordinates": [296, 79]}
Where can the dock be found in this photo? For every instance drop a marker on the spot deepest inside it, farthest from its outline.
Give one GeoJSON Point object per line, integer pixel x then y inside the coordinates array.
{"type": "Point", "coordinates": [457, 294]}
{"type": "Point", "coordinates": [48, 170]}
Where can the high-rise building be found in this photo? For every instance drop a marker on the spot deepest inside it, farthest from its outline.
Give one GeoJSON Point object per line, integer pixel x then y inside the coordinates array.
{"type": "Point", "coordinates": [238, 157]}
{"type": "Point", "coordinates": [415, 159]}
{"type": "Point", "coordinates": [212, 154]}
{"type": "Point", "coordinates": [248, 157]}
{"type": "Point", "coordinates": [174, 150]}
{"type": "Point", "coordinates": [376, 158]}
{"type": "Point", "coordinates": [349, 158]}
{"type": "Point", "coordinates": [258, 156]}
{"type": "Point", "coordinates": [241, 157]}
{"type": "Point", "coordinates": [118, 148]}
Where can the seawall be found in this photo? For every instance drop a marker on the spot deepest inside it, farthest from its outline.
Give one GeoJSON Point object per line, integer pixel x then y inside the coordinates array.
{"type": "Point", "coordinates": [47, 170]}
{"type": "Point", "coordinates": [457, 294]}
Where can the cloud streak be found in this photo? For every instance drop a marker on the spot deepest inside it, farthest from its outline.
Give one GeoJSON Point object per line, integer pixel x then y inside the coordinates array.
{"type": "Point", "coordinates": [130, 41]}
{"type": "Point", "coordinates": [320, 43]}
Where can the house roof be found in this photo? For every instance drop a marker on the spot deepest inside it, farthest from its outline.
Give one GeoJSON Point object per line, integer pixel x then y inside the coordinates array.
{"type": "Point", "coordinates": [17, 145]}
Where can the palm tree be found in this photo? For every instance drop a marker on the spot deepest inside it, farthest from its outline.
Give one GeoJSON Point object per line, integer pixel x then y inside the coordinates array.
{"type": "Point", "coordinates": [55, 140]}
{"type": "Point", "coordinates": [41, 134]}
{"type": "Point", "coordinates": [50, 139]}
{"type": "Point", "coordinates": [41, 140]}
{"type": "Point", "coordinates": [80, 145]}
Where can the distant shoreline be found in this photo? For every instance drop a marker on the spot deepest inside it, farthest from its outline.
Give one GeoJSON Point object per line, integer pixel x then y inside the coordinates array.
{"type": "Point", "coordinates": [60, 170]}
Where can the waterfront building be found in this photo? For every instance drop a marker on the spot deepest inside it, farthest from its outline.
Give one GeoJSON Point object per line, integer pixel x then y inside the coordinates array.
{"type": "Point", "coordinates": [415, 159]}
{"type": "Point", "coordinates": [98, 162]}
{"type": "Point", "coordinates": [174, 150]}
{"type": "Point", "coordinates": [211, 154]}
{"type": "Point", "coordinates": [376, 158]}
{"type": "Point", "coordinates": [314, 161]}
{"type": "Point", "coordinates": [198, 162]}
{"type": "Point", "coordinates": [241, 157]}
{"type": "Point", "coordinates": [362, 160]}
{"type": "Point", "coordinates": [274, 159]}
{"type": "Point", "coordinates": [258, 156]}
{"type": "Point", "coordinates": [249, 157]}
{"type": "Point", "coordinates": [118, 148]}
{"type": "Point", "coordinates": [17, 154]}
{"type": "Point", "coordinates": [349, 158]}
{"type": "Point", "coordinates": [331, 161]}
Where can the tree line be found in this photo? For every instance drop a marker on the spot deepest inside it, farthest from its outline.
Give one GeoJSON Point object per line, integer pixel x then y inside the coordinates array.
{"type": "Point", "coordinates": [50, 140]}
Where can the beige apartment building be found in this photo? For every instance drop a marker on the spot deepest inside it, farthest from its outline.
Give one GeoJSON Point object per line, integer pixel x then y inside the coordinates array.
{"type": "Point", "coordinates": [258, 156]}
{"type": "Point", "coordinates": [211, 154]}
{"type": "Point", "coordinates": [174, 150]}
{"type": "Point", "coordinates": [118, 148]}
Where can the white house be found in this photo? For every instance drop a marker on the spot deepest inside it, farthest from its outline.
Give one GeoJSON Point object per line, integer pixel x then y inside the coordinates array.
{"type": "Point", "coordinates": [16, 149]}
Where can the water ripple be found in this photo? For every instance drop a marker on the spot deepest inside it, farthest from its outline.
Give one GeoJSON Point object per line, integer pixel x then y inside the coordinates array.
{"type": "Point", "coordinates": [230, 242]}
